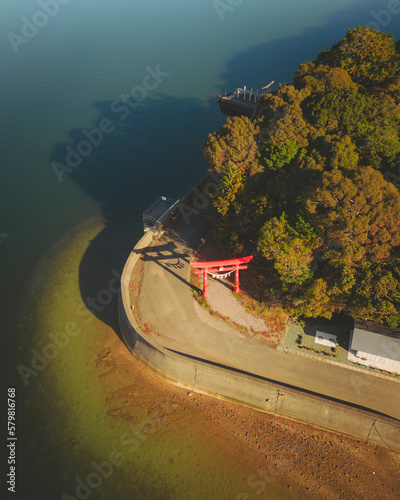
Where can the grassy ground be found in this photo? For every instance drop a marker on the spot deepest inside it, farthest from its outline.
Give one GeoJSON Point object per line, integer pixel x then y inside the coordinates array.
{"type": "Point", "coordinates": [301, 339]}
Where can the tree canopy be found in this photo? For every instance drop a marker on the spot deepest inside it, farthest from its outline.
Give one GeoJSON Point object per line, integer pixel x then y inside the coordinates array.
{"type": "Point", "coordinates": [369, 56]}
{"type": "Point", "coordinates": [312, 184]}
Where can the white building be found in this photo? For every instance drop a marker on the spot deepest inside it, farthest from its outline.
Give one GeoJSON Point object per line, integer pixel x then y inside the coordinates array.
{"type": "Point", "coordinates": [375, 345]}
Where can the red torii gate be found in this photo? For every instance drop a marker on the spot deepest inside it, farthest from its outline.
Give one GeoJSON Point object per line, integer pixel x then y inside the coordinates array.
{"type": "Point", "coordinates": [215, 266]}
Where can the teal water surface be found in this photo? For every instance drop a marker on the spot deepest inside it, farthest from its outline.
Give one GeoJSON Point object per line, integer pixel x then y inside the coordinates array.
{"type": "Point", "coordinates": [66, 78]}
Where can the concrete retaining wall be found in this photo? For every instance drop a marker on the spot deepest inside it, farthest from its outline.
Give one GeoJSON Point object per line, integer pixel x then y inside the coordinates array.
{"type": "Point", "coordinates": [203, 376]}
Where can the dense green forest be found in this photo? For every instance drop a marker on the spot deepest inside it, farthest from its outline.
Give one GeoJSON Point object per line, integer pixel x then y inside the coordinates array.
{"type": "Point", "coordinates": [312, 184]}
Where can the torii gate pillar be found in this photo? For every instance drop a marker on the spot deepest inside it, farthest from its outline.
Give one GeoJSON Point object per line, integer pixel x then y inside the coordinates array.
{"type": "Point", "coordinates": [236, 289]}
{"type": "Point", "coordinates": [220, 266]}
{"type": "Point", "coordinates": [205, 292]}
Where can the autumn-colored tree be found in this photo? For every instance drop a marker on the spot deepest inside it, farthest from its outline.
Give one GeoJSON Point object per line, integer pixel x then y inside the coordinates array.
{"type": "Point", "coordinates": [340, 110]}
{"type": "Point", "coordinates": [376, 293]}
{"type": "Point", "coordinates": [380, 146]}
{"type": "Point", "coordinates": [386, 102]}
{"type": "Point", "coordinates": [314, 181]}
{"type": "Point", "coordinates": [360, 214]}
{"type": "Point", "coordinates": [342, 153]}
{"type": "Point", "coordinates": [230, 186]}
{"type": "Point", "coordinates": [322, 78]}
{"type": "Point", "coordinates": [283, 119]}
{"type": "Point", "coordinates": [234, 147]}
{"type": "Point", "coordinates": [291, 254]}
{"type": "Point", "coordinates": [369, 56]}
{"type": "Point", "coordinates": [313, 301]}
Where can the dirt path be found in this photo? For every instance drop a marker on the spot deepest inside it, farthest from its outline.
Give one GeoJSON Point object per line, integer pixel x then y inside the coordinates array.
{"type": "Point", "coordinates": [221, 299]}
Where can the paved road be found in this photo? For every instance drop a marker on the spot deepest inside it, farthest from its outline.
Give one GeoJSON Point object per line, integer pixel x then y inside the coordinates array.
{"type": "Point", "coordinates": [168, 306]}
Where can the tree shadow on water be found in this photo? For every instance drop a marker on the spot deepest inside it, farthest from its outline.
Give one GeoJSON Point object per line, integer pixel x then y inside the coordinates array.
{"type": "Point", "coordinates": [157, 150]}
{"type": "Point", "coordinates": [278, 59]}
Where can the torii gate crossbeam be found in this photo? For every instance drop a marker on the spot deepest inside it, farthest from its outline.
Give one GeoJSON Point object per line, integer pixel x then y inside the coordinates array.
{"type": "Point", "coordinates": [216, 266]}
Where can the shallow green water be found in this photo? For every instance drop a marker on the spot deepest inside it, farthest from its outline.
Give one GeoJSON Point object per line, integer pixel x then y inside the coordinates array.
{"type": "Point", "coordinates": [62, 82]}
{"type": "Point", "coordinates": [160, 452]}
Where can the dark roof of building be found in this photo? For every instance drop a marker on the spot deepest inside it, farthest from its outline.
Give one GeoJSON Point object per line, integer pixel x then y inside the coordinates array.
{"type": "Point", "coordinates": [371, 326]}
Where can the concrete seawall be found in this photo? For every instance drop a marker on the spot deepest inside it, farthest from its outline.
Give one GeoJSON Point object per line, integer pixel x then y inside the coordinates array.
{"type": "Point", "coordinates": [203, 376]}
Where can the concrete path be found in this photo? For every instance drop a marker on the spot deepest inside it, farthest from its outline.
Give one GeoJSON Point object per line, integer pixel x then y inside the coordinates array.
{"type": "Point", "coordinates": [168, 306]}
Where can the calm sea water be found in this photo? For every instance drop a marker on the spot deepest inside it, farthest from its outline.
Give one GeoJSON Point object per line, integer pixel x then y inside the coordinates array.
{"type": "Point", "coordinates": [64, 75]}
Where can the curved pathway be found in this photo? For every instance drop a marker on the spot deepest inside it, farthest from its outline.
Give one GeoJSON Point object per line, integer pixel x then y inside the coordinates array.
{"type": "Point", "coordinates": [167, 305]}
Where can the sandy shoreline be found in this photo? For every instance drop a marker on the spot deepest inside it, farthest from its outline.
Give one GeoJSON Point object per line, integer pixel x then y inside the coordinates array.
{"type": "Point", "coordinates": [202, 448]}
{"type": "Point", "coordinates": [308, 461]}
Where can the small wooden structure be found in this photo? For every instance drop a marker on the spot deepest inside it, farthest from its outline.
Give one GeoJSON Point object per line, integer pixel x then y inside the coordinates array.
{"type": "Point", "coordinates": [225, 267]}
{"type": "Point", "coordinates": [243, 101]}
